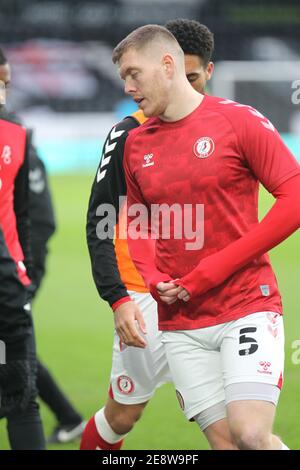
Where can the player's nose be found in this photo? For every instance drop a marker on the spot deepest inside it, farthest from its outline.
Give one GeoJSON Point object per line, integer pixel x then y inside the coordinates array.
{"type": "Point", "coordinates": [129, 88]}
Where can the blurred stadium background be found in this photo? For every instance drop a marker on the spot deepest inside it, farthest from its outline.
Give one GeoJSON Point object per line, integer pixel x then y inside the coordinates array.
{"type": "Point", "coordinates": [66, 88]}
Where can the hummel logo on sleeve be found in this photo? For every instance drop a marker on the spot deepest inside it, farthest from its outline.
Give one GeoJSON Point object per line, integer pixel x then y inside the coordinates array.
{"type": "Point", "coordinates": [106, 155]}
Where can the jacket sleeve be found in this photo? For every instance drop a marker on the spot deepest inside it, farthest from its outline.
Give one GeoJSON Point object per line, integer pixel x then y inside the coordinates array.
{"type": "Point", "coordinates": [107, 195]}
{"type": "Point", "coordinates": [21, 208]}
{"type": "Point", "coordinates": [41, 213]}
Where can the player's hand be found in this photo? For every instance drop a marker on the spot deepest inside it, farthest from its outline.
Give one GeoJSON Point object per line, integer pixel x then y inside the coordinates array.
{"type": "Point", "coordinates": [129, 324]}
{"type": "Point", "coordinates": [183, 294]}
{"type": "Point", "coordinates": [168, 292]}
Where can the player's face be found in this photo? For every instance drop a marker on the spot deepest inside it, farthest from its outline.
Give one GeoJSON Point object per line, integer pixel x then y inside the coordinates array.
{"type": "Point", "coordinates": [4, 82]}
{"type": "Point", "coordinates": [5, 75]}
{"type": "Point", "coordinates": [145, 81]}
{"type": "Point", "coordinates": [196, 72]}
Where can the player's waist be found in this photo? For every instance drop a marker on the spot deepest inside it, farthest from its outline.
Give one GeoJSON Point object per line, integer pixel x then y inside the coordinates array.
{"type": "Point", "coordinates": [207, 316]}
{"type": "Point", "coordinates": [249, 289]}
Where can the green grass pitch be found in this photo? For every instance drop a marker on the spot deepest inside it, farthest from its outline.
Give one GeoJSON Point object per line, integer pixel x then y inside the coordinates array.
{"type": "Point", "coordinates": [74, 333]}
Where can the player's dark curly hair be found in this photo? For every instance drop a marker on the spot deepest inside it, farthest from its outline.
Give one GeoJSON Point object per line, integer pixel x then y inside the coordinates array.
{"type": "Point", "coordinates": [3, 59]}
{"type": "Point", "coordinates": [194, 38]}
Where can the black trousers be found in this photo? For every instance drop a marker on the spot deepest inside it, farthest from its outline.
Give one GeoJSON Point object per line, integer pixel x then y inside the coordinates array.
{"type": "Point", "coordinates": [52, 395]}
{"type": "Point", "coordinates": [25, 430]}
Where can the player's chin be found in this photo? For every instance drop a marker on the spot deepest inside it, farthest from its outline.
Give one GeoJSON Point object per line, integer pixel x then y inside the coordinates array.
{"type": "Point", "coordinates": [148, 110]}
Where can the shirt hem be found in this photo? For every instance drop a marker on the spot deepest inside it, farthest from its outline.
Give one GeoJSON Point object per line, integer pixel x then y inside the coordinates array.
{"type": "Point", "coordinates": [225, 318]}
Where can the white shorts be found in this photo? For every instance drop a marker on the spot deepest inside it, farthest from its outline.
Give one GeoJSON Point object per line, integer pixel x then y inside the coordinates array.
{"type": "Point", "coordinates": [137, 373]}
{"type": "Point", "coordinates": [205, 361]}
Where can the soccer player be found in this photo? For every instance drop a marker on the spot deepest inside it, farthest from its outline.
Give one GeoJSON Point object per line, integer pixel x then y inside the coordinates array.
{"type": "Point", "coordinates": [136, 373]}
{"type": "Point", "coordinates": [42, 227]}
{"type": "Point", "coordinates": [23, 419]}
{"type": "Point", "coordinates": [219, 307]}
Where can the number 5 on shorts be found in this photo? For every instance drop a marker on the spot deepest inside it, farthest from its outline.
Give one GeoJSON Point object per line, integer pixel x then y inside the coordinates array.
{"type": "Point", "coordinates": [247, 339]}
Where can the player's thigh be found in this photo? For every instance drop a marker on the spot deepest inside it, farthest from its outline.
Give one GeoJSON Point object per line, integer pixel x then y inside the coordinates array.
{"type": "Point", "coordinates": [136, 373]}
{"type": "Point", "coordinates": [196, 373]}
{"type": "Point", "coordinates": [252, 350]}
{"type": "Point", "coordinates": [252, 354]}
{"type": "Point", "coordinates": [155, 354]}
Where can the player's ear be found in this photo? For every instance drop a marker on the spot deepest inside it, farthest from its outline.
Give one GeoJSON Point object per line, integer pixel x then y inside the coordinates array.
{"type": "Point", "coordinates": [209, 70]}
{"type": "Point", "coordinates": [168, 65]}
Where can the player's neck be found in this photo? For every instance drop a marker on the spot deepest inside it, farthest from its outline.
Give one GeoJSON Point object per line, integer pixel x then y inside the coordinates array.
{"type": "Point", "coordinates": [185, 101]}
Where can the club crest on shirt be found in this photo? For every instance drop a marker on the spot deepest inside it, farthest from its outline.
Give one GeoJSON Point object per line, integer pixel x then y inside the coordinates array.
{"type": "Point", "coordinates": [125, 384]}
{"type": "Point", "coordinates": [6, 155]}
{"type": "Point", "coordinates": [204, 147]}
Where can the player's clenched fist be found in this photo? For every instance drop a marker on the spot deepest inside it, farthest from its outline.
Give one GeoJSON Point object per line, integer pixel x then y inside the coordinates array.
{"type": "Point", "coordinates": [169, 292]}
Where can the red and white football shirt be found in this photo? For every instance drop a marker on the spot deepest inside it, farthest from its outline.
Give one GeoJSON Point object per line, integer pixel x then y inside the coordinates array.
{"type": "Point", "coordinates": [216, 156]}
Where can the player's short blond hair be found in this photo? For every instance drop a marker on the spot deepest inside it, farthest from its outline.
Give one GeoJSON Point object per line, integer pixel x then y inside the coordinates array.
{"type": "Point", "coordinates": [144, 36]}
